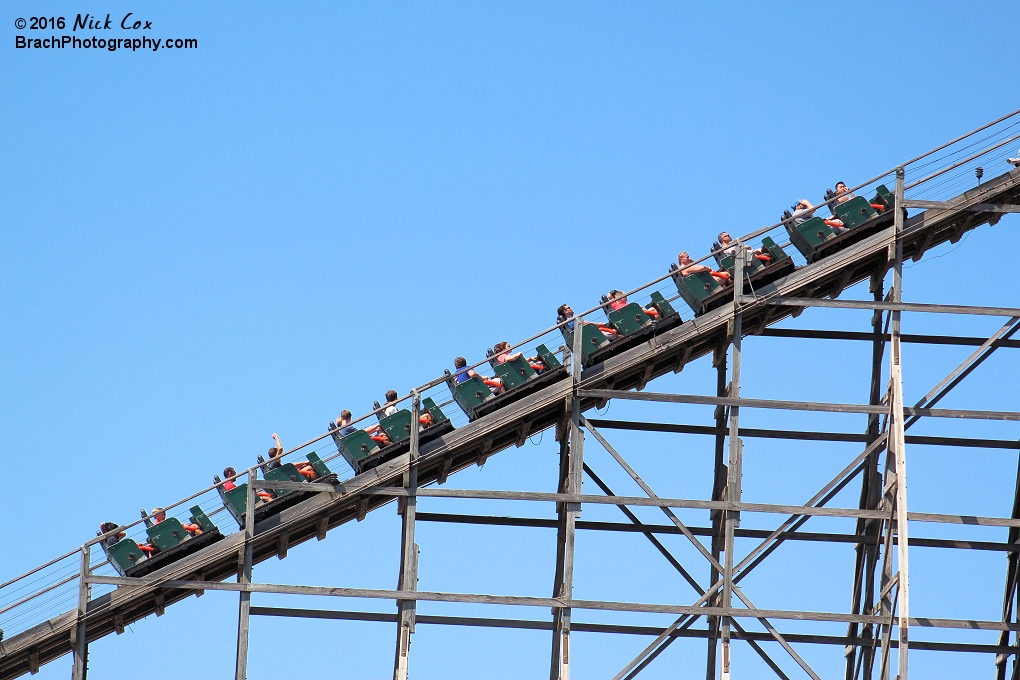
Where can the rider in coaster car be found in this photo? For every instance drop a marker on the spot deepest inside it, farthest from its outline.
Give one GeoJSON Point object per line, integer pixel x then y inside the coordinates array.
{"type": "Point", "coordinates": [842, 196]}
{"type": "Point", "coordinates": [159, 514]}
{"type": "Point", "coordinates": [275, 461]}
{"type": "Point", "coordinates": [112, 540]}
{"type": "Point", "coordinates": [617, 300]}
{"type": "Point", "coordinates": [502, 352]}
{"type": "Point", "coordinates": [565, 313]}
{"type": "Point", "coordinates": [687, 267]}
{"type": "Point", "coordinates": [388, 409]}
{"type": "Point", "coordinates": [803, 211]}
{"type": "Point", "coordinates": [463, 374]}
{"type": "Point", "coordinates": [229, 485]}
{"type": "Point", "coordinates": [343, 423]}
{"type": "Point", "coordinates": [729, 248]}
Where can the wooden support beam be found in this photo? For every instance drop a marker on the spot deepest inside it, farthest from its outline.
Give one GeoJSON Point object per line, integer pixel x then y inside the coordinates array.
{"type": "Point", "coordinates": [244, 582]}
{"type": "Point", "coordinates": [524, 433]}
{"type": "Point", "coordinates": [977, 207]}
{"type": "Point", "coordinates": [362, 509]}
{"type": "Point", "coordinates": [892, 306]}
{"type": "Point", "coordinates": [807, 510]}
{"type": "Point", "coordinates": [283, 545]}
{"type": "Point", "coordinates": [788, 535]}
{"type": "Point", "coordinates": [529, 624]}
{"type": "Point", "coordinates": [78, 636]}
{"type": "Point", "coordinates": [407, 579]}
{"type": "Point", "coordinates": [798, 405]}
{"type": "Point", "coordinates": [682, 359]}
{"type": "Point", "coordinates": [526, 601]}
{"type": "Point", "coordinates": [569, 482]}
{"type": "Point", "coordinates": [444, 470]}
{"type": "Point", "coordinates": [732, 490]}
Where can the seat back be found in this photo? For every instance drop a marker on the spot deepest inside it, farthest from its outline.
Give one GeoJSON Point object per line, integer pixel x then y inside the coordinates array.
{"type": "Point", "coordinates": [629, 319]}
{"type": "Point", "coordinates": [548, 358]}
{"type": "Point", "coordinates": [236, 501]}
{"type": "Point", "coordinates": [357, 445]}
{"type": "Point", "coordinates": [809, 235]}
{"type": "Point", "coordinates": [320, 468]}
{"type": "Point", "coordinates": [201, 519]}
{"type": "Point", "coordinates": [515, 373]}
{"type": "Point", "coordinates": [429, 405]}
{"type": "Point", "coordinates": [719, 257]}
{"type": "Point", "coordinates": [829, 195]}
{"type": "Point", "coordinates": [219, 488]}
{"type": "Point", "coordinates": [397, 426]}
{"type": "Point", "coordinates": [471, 394]}
{"type": "Point", "coordinates": [167, 534]}
{"type": "Point", "coordinates": [125, 554]}
{"type": "Point", "coordinates": [773, 249]}
{"type": "Point", "coordinates": [884, 197]}
{"type": "Point", "coordinates": [662, 305]}
{"type": "Point", "coordinates": [695, 288]}
{"type": "Point", "coordinates": [334, 432]}
{"type": "Point", "coordinates": [854, 212]}
{"type": "Point", "coordinates": [564, 330]}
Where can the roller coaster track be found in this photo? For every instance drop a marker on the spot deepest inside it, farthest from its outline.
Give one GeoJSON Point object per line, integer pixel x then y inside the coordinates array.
{"type": "Point", "coordinates": [472, 443]}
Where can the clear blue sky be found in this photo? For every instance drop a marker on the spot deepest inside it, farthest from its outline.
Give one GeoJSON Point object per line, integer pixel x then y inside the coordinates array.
{"type": "Point", "coordinates": [322, 201]}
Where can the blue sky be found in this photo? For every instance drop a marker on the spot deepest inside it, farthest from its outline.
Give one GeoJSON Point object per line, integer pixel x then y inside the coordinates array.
{"type": "Point", "coordinates": [325, 201]}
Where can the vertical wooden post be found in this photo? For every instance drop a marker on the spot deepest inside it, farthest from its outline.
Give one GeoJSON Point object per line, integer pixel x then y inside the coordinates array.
{"type": "Point", "coordinates": [718, 486]}
{"type": "Point", "coordinates": [897, 437]}
{"type": "Point", "coordinates": [244, 576]}
{"type": "Point", "coordinates": [81, 648]}
{"type": "Point", "coordinates": [733, 472]}
{"type": "Point", "coordinates": [863, 596]}
{"type": "Point", "coordinates": [408, 579]}
{"type": "Point", "coordinates": [571, 469]}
